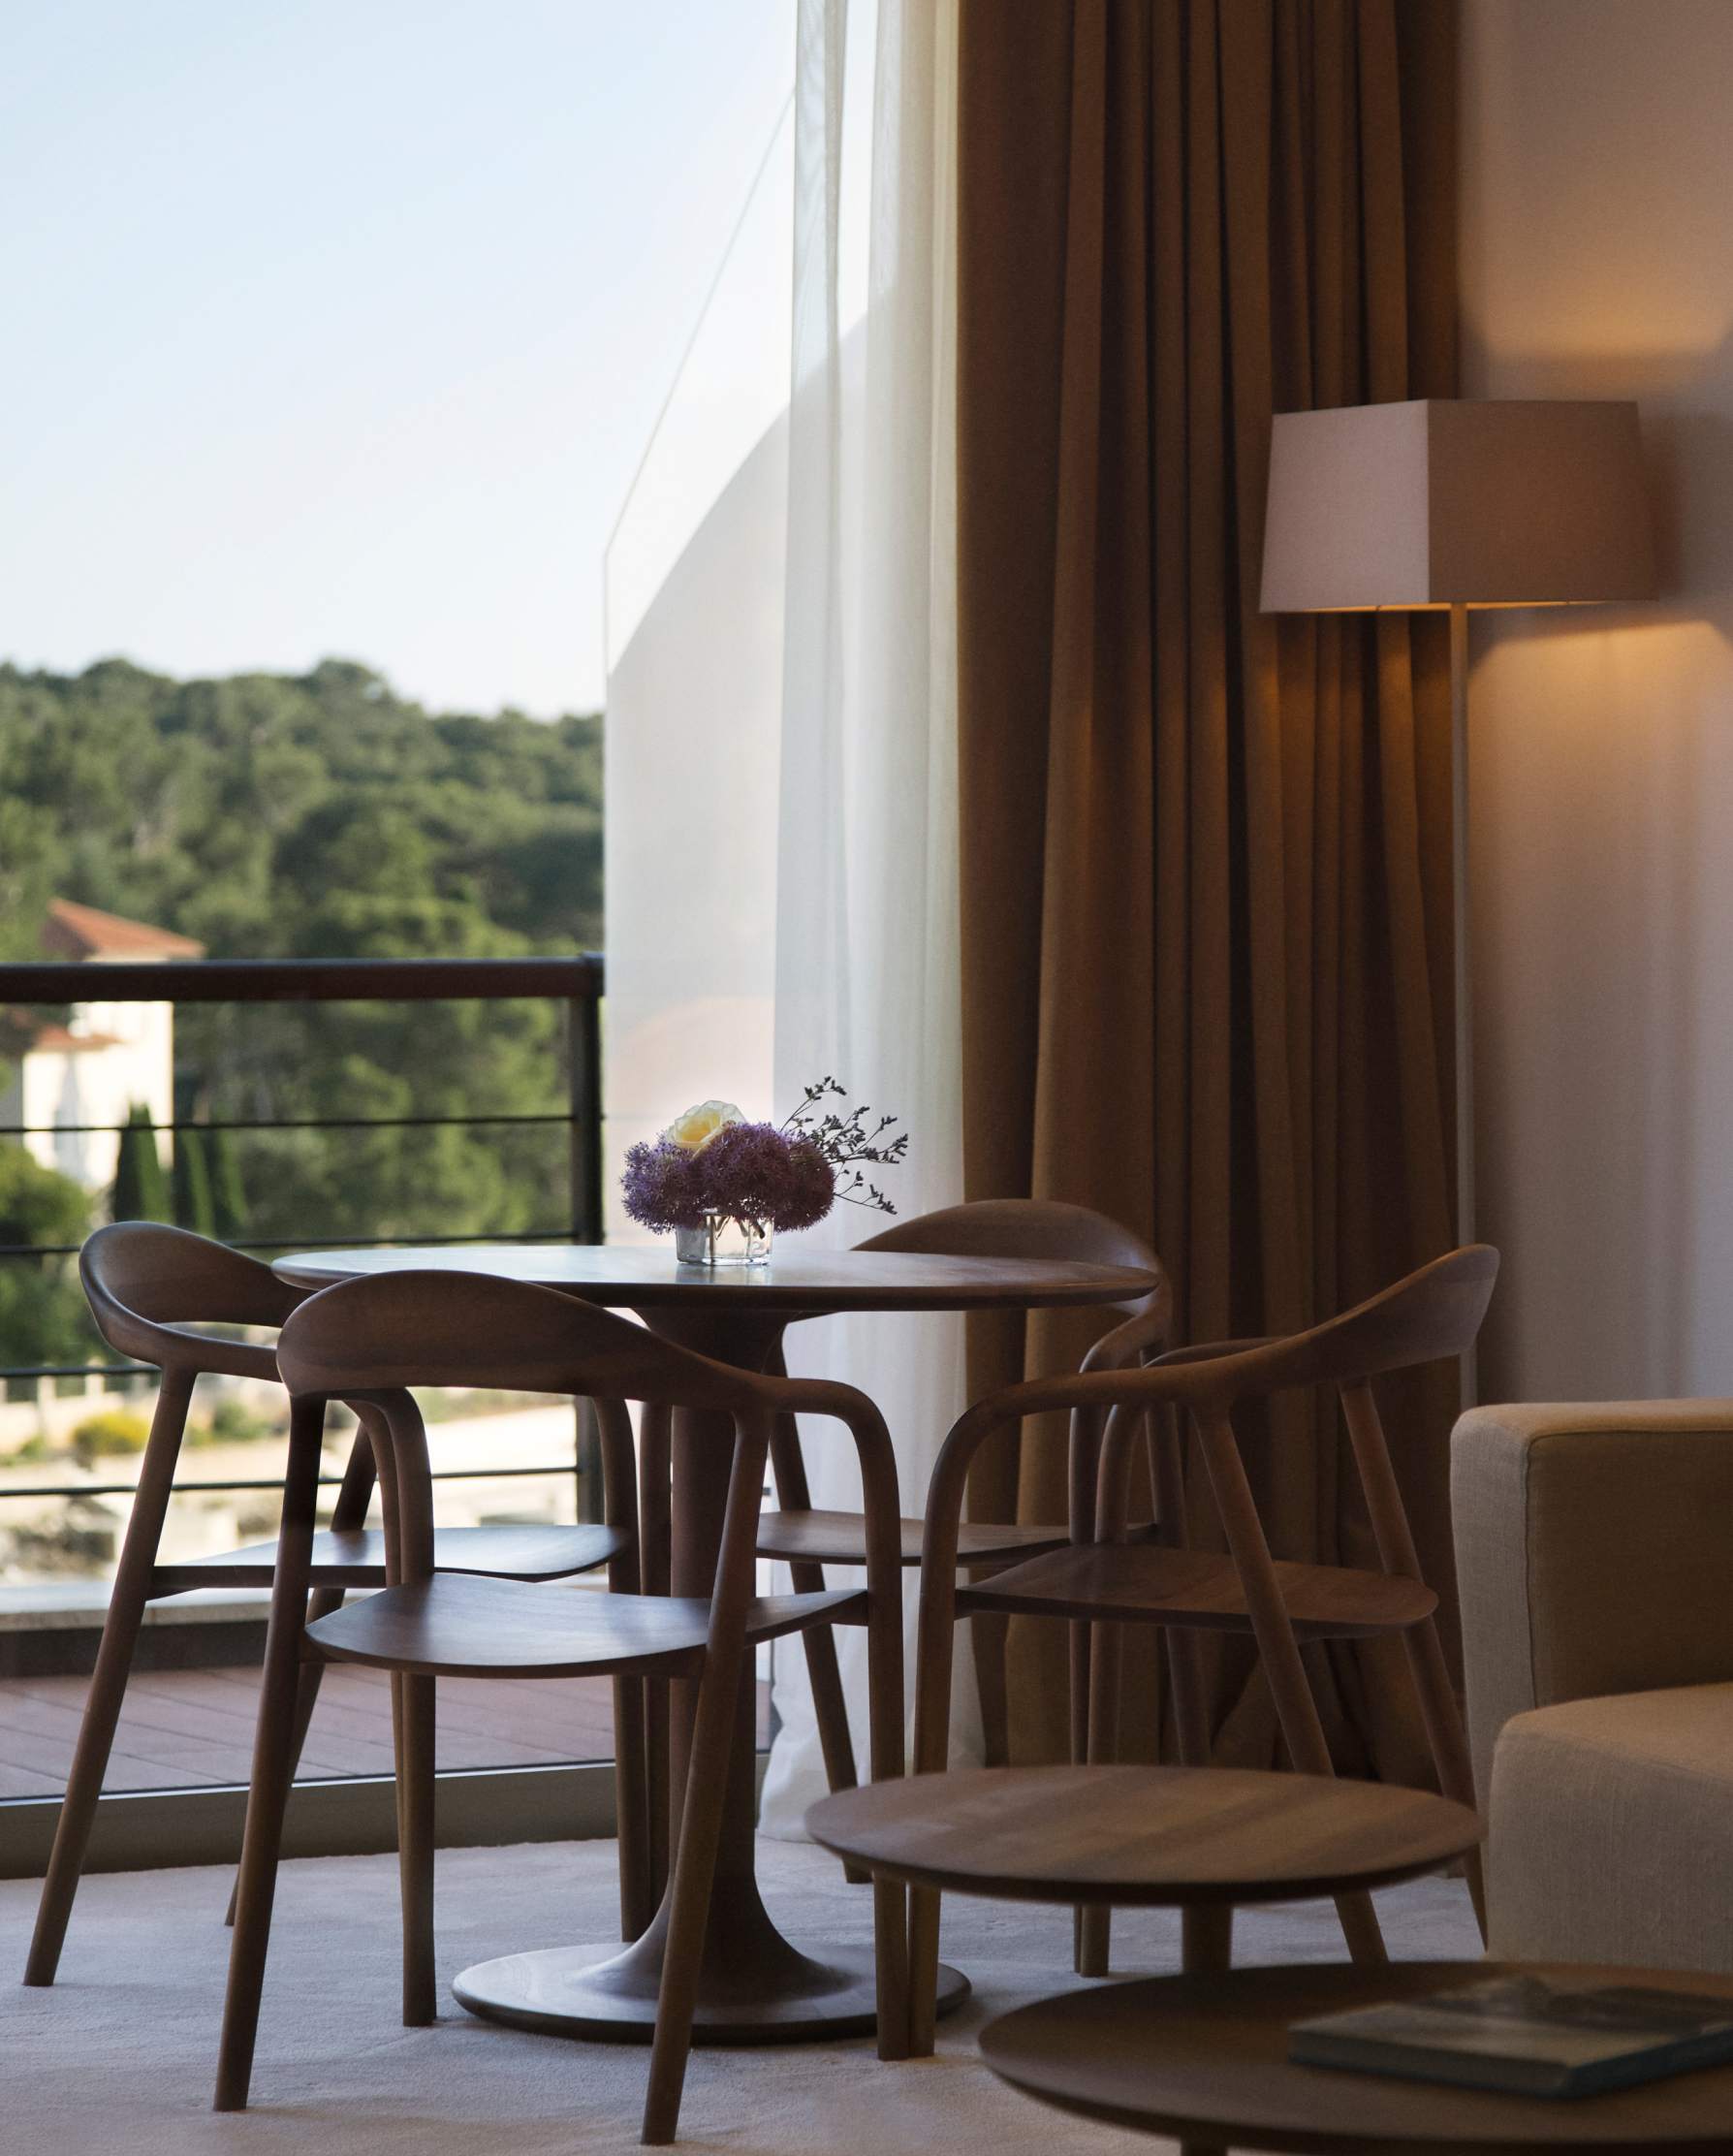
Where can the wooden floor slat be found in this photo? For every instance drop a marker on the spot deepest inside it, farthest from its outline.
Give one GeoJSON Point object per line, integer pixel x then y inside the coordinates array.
{"type": "Point", "coordinates": [188, 1728]}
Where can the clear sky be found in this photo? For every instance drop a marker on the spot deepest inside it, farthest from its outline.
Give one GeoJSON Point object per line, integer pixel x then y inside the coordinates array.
{"type": "Point", "coordinates": [338, 327]}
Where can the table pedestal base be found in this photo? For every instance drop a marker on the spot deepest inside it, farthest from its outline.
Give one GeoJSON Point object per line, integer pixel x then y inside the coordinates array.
{"type": "Point", "coordinates": [774, 1994]}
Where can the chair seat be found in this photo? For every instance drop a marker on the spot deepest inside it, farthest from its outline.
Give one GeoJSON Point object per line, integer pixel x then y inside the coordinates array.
{"type": "Point", "coordinates": [840, 1538]}
{"type": "Point", "coordinates": [1155, 1836]}
{"type": "Point", "coordinates": [455, 1624]}
{"type": "Point", "coordinates": [1143, 1582]}
{"type": "Point", "coordinates": [355, 1558]}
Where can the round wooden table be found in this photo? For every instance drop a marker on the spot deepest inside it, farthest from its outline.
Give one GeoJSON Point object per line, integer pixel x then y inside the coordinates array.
{"type": "Point", "coordinates": [1148, 1837]}
{"type": "Point", "coordinates": [1205, 2059]}
{"type": "Point", "coordinates": [756, 1986]}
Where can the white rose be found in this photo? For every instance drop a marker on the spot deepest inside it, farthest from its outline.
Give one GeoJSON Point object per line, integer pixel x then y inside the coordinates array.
{"type": "Point", "coordinates": [700, 1125]}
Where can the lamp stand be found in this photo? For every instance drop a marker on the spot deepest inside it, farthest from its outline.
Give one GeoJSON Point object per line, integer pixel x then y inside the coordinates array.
{"type": "Point", "coordinates": [1465, 970]}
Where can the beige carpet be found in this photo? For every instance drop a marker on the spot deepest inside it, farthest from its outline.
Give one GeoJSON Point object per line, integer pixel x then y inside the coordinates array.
{"type": "Point", "coordinates": [117, 2059]}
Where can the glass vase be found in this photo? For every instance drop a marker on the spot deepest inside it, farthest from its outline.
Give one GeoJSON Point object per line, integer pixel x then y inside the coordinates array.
{"type": "Point", "coordinates": [723, 1240]}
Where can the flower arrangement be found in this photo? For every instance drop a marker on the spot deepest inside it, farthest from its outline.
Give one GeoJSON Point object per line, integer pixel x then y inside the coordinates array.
{"type": "Point", "coordinates": [723, 1185]}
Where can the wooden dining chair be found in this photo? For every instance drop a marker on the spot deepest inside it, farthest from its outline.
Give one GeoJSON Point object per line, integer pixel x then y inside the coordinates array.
{"type": "Point", "coordinates": [147, 1283]}
{"type": "Point", "coordinates": [1107, 1581]}
{"type": "Point", "coordinates": [367, 1341]}
{"type": "Point", "coordinates": [808, 1540]}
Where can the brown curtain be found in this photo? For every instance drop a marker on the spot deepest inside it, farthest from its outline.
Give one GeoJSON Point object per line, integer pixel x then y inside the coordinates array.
{"type": "Point", "coordinates": [1205, 873]}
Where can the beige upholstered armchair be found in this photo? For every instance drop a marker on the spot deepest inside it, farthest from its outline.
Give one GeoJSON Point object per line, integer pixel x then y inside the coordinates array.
{"type": "Point", "coordinates": [1595, 1555]}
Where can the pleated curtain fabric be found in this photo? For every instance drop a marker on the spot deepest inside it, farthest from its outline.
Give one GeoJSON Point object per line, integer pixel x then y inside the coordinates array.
{"type": "Point", "coordinates": [1205, 854]}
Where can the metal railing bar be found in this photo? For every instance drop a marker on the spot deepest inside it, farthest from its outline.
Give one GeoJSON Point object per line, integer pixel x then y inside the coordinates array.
{"type": "Point", "coordinates": [271, 1482]}
{"type": "Point", "coordinates": [79, 1370]}
{"type": "Point", "coordinates": [284, 1123]}
{"type": "Point", "coordinates": [330, 1243]}
{"type": "Point", "coordinates": [314, 980]}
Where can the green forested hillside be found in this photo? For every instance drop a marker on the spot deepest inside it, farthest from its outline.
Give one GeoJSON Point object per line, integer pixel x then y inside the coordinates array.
{"type": "Point", "coordinates": [277, 817]}
{"type": "Point", "coordinates": [272, 815]}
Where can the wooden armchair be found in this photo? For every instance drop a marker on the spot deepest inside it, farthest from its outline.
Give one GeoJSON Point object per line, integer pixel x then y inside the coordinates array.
{"type": "Point", "coordinates": [146, 1286]}
{"type": "Point", "coordinates": [1107, 1581]}
{"type": "Point", "coordinates": [808, 1541]}
{"type": "Point", "coordinates": [370, 1340]}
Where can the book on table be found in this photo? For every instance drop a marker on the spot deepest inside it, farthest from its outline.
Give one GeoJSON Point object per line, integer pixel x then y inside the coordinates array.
{"type": "Point", "coordinates": [1525, 2036]}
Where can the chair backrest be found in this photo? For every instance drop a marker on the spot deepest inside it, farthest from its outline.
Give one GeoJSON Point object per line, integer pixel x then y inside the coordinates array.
{"type": "Point", "coordinates": [144, 1281]}
{"type": "Point", "coordinates": [389, 1331]}
{"type": "Point", "coordinates": [1431, 1314]}
{"type": "Point", "coordinates": [1028, 1227]}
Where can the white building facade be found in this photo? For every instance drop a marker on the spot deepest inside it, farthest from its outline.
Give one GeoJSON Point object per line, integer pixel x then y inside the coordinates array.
{"type": "Point", "coordinates": [73, 1084]}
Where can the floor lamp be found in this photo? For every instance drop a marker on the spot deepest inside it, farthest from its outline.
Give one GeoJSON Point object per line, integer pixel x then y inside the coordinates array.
{"type": "Point", "coordinates": [1441, 505]}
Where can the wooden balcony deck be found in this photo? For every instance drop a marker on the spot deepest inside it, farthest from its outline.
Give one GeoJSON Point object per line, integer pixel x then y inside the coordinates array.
{"type": "Point", "coordinates": [191, 1728]}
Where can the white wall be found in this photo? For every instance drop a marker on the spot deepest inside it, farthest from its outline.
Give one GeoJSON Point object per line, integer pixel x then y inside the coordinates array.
{"type": "Point", "coordinates": [1598, 261]}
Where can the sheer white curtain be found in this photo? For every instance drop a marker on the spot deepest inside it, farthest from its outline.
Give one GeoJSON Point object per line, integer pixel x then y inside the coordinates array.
{"type": "Point", "coordinates": [866, 961]}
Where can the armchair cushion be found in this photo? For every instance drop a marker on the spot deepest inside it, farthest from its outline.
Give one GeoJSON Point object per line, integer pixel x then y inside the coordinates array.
{"type": "Point", "coordinates": [1612, 1831]}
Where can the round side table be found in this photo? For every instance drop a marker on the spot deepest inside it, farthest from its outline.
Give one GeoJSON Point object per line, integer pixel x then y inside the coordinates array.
{"type": "Point", "coordinates": [1205, 2059]}
{"type": "Point", "coordinates": [1198, 1839]}
{"type": "Point", "coordinates": [1171, 1837]}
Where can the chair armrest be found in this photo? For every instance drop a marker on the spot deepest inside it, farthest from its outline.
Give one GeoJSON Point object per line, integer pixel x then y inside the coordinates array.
{"type": "Point", "coordinates": [1593, 1552]}
{"type": "Point", "coordinates": [1206, 1351]}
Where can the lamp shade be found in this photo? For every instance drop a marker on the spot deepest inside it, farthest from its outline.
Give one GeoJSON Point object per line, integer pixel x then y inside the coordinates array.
{"type": "Point", "coordinates": [1452, 502]}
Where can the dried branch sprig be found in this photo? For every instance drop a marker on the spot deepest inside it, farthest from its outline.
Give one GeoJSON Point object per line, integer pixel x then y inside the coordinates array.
{"type": "Point", "coordinates": [848, 1142]}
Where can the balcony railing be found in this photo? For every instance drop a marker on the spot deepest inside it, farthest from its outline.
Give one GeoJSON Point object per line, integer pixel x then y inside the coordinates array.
{"type": "Point", "coordinates": [576, 983]}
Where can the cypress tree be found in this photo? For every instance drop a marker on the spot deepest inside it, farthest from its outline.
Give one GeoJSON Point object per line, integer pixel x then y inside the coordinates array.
{"type": "Point", "coordinates": [140, 1188]}
{"type": "Point", "coordinates": [227, 1192]}
{"type": "Point", "coordinates": [195, 1205]}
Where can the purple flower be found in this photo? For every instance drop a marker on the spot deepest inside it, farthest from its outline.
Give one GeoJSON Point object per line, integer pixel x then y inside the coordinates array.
{"type": "Point", "coordinates": [664, 1185]}
{"type": "Point", "coordinates": [748, 1171]}
{"type": "Point", "coordinates": [752, 1171]}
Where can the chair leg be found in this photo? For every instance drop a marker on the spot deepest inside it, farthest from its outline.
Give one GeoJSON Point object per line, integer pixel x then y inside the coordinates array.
{"type": "Point", "coordinates": [272, 1764]}
{"type": "Point", "coordinates": [935, 1661]}
{"type": "Point", "coordinates": [416, 1854]}
{"type": "Point", "coordinates": [354, 1496]}
{"type": "Point", "coordinates": [989, 1634]}
{"type": "Point", "coordinates": [885, 1711]}
{"type": "Point", "coordinates": [1093, 1925]}
{"type": "Point", "coordinates": [256, 1889]}
{"type": "Point", "coordinates": [936, 1655]}
{"type": "Point", "coordinates": [830, 1712]}
{"type": "Point", "coordinates": [1296, 1710]}
{"type": "Point", "coordinates": [107, 1685]}
{"type": "Point", "coordinates": [724, 1672]}
{"type": "Point", "coordinates": [1078, 1643]}
{"type": "Point", "coordinates": [324, 1604]}
{"type": "Point", "coordinates": [1191, 1714]}
{"type": "Point", "coordinates": [1448, 1740]}
{"type": "Point", "coordinates": [657, 1751]}
{"type": "Point", "coordinates": [1426, 1654]}
{"type": "Point", "coordinates": [830, 1709]}
{"type": "Point", "coordinates": [655, 1557]}
{"type": "Point", "coordinates": [631, 1805]}
{"type": "Point", "coordinates": [689, 1903]}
